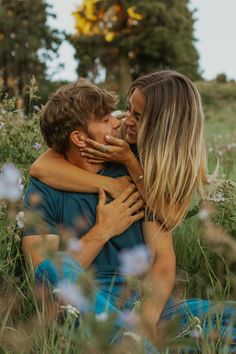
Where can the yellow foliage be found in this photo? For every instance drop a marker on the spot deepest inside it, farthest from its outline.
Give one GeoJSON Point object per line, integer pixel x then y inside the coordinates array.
{"type": "Point", "coordinates": [90, 9]}
{"type": "Point", "coordinates": [134, 15]}
{"type": "Point", "coordinates": [109, 36]}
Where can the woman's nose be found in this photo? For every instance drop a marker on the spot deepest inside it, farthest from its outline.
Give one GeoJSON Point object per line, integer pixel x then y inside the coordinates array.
{"type": "Point", "coordinates": [129, 118]}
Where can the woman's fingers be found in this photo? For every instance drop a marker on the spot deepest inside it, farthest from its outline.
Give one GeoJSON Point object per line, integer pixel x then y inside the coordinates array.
{"type": "Point", "coordinates": [95, 161]}
{"type": "Point", "coordinates": [96, 145]}
{"type": "Point", "coordinates": [89, 152]}
{"type": "Point", "coordinates": [114, 141]}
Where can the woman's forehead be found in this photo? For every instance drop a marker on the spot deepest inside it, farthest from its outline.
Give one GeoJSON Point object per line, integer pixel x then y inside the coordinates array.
{"type": "Point", "coordinates": [137, 100]}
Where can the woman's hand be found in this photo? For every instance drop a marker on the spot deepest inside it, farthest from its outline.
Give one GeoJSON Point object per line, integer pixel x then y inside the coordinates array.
{"type": "Point", "coordinates": [118, 150]}
{"type": "Point", "coordinates": [118, 185]}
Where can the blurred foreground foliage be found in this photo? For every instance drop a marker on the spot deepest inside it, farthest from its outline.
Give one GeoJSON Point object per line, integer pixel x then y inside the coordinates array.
{"type": "Point", "coordinates": [205, 244]}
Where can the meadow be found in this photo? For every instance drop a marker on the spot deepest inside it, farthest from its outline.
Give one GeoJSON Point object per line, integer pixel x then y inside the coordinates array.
{"type": "Point", "coordinates": [205, 243]}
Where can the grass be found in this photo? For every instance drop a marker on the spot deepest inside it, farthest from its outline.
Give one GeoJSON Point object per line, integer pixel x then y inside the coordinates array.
{"type": "Point", "coordinates": [205, 263]}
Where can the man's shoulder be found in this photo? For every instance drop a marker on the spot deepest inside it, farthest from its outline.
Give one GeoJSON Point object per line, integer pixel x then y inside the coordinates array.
{"type": "Point", "coordinates": [37, 190]}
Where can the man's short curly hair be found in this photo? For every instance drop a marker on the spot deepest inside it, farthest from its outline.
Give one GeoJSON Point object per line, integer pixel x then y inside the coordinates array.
{"type": "Point", "coordinates": [71, 107]}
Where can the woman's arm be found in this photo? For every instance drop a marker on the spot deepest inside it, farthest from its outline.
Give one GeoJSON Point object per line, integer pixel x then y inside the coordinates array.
{"type": "Point", "coordinates": [52, 169]}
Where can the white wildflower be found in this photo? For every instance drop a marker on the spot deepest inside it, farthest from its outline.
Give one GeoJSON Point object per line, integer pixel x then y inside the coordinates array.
{"type": "Point", "coordinates": [132, 335]}
{"type": "Point", "coordinates": [2, 125]}
{"type": "Point", "coordinates": [218, 197]}
{"type": "Point", "coordinates": [36, 108]}
{"type": "Point", "coordinates": [135, 261]}
{"type": "Point", "coordinates": [10, 183]}
{"type": "Point", "coordinates": [102, 317]}
{"type": "Point", "coordinates": [37, 146]}
{"type": "Point", "coordinates": [20, 219]}
{"type": "Point", "coordinates": [72, 295]}
{"type": "Point", "coordinates": [203, 214]}
{"type": "Point", "coordinates": [197, 332]}
{"type": "Point", "coordinates": [71, 309]}
{"type": "Point", "coordinates": [128, 318]}
{"type": "Point", "coordinates": [74, 245]}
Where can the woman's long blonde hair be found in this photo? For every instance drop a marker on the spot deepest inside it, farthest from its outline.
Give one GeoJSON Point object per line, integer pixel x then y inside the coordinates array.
{"type": "Point", "coordinates": [171, 144]}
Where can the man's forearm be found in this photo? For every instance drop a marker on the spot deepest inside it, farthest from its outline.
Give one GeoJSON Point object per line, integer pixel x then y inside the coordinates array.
{"type": "Point", "coordinates": [89, 246]}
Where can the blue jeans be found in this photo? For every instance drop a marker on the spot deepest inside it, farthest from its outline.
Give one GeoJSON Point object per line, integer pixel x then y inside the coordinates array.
{"type": "Point", "coordinates": [105, 300]}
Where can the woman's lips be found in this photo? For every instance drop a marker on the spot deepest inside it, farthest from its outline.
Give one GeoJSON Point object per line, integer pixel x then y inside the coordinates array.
{"type": "Point", "coordinates": [131, 132]}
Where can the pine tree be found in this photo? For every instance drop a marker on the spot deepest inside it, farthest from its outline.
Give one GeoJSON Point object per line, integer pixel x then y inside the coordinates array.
{"type": "Point", "coordinates": [26, 42]}
{"type": "Point", "coordinates": [129, 38]}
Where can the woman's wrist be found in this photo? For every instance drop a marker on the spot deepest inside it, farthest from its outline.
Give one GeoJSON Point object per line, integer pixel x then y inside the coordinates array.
{"type": "Point", "coordinates": [129, 159]}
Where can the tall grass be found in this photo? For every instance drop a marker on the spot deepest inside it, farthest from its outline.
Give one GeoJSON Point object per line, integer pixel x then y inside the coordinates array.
{"type": "Point", "coordinates": [205, 245]}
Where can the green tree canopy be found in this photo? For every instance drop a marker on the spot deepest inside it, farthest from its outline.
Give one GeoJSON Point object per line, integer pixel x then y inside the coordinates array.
{"type": "Point", "coordinates": [26, 42]}
{"type": "Point", "coordinates": [129, 38]}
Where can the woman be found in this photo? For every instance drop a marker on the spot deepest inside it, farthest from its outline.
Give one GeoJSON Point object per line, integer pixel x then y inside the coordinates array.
{"type": "Point", "coordinates": [165, 120]}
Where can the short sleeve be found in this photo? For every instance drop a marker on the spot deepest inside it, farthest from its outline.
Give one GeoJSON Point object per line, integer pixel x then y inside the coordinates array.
{"type": "Point", "coordinates": [40, 207]}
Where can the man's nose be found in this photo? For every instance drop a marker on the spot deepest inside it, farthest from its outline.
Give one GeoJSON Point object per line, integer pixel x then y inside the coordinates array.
{"type": "Point", "coordinates": [116, 123]}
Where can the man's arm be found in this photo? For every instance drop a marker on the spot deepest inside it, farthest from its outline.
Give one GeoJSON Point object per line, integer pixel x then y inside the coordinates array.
{"type": "Point", "coordinates": [160, 279]}
{"type": "Point", "coordinates": [37, 247]}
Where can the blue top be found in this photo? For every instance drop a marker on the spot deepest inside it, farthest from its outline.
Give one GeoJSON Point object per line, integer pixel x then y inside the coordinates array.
{"type": "Point", "coordinates": [77, 213]}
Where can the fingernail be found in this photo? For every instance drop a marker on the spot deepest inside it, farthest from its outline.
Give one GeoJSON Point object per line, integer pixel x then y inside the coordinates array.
{"type": "Point", "coordinates": [108, 137]}
{"type": "Point", "coordinates": [82, 154]}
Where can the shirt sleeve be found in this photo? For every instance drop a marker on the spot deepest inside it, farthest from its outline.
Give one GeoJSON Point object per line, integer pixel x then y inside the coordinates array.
{"type": "Point", "coordinates": [41, 210]}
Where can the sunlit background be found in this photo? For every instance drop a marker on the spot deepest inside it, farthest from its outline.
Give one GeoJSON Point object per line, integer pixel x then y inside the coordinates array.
{"type": "Point", "coordinates": [215, 30]}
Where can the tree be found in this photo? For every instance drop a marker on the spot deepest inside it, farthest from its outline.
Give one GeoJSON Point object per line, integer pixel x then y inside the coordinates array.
{"type": "Point", "coordinates": [129, 38]}
{"type": "Point", "coordinates": [26, 42]}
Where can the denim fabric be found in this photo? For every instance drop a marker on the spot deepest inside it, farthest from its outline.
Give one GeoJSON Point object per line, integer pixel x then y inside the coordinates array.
{"type": "Point", "coordinates": [105, 298]}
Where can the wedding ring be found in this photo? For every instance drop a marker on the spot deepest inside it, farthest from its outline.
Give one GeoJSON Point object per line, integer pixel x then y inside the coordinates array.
{"type": "Point", "coordinates": [105, 148]}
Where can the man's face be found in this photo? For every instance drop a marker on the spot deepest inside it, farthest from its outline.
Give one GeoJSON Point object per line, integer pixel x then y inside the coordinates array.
{"type": "Point", "coordinates": [107, 125]}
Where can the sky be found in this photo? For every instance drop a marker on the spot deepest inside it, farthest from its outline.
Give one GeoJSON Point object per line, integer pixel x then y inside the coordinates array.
{"type": "Point", "coordinates": [215, 31]}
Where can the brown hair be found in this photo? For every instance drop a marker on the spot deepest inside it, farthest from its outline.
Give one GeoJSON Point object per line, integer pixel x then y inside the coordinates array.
{"type": "Point", "coordinates": [71, 107]}
{"type": "Point", "coordinates": [171, 144]}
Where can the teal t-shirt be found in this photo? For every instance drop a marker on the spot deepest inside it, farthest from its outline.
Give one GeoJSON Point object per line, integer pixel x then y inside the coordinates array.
{"type": "Point", "coordinates": [76, 212]}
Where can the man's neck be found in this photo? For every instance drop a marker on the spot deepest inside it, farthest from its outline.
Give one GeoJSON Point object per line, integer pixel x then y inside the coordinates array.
{"type": "Point", "coordinates": [76, 159]}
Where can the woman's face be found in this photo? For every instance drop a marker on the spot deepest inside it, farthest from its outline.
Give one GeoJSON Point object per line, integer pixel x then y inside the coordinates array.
{"type": "Point", "coordinates": [134, 113]}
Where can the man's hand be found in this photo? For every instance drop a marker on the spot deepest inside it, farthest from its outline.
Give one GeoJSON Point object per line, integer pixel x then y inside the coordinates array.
{"type": "Point", "coordinates": [117, 216]}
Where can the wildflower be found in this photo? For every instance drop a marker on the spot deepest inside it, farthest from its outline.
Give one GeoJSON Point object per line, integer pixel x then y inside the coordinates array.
{"type": "Point", "coordinates": [218, 197]}
{"type": "Point", "coordinates": [70, 309]}
{"type": "Point", "coordinates": [20, 219]}
{"type": "Point", "coordinates": [2, 125]}
{"type": "Point", "coordinates": [203, 214]}
{"type": "Point", "coordinates": [135, 261]}
{"type": "Point", "coordinates": [72, 295]}
{"type": "Point", "coordinates": [128, 319]}
{"type": "Point", "coordinates": [37, 146]}
{"type": "Point", "coordinates": [74, 245]}
{"type": "Point", "coordinates": [36, 108]}
{"type": "Point", "coordinates": [197, 332]}
{"type": "Point", "coordinates": [132, 335]}
{"type": "Point", "coordinates": [10, 183]}
{"type": "Point", "coordinates": [102, 317]}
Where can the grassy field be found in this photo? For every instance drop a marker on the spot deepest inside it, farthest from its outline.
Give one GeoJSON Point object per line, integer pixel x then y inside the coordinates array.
{"type": "Point", "coordinates": [205, 243]}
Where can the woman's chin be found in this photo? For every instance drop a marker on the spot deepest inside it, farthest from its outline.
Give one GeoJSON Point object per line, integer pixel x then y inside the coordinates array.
{"type": "Point", "coordinates": [130, 139]}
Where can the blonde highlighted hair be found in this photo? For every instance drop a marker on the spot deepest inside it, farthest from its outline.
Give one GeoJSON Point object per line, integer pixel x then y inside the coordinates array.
{"type": "Point", "coordinates": [171, 144]}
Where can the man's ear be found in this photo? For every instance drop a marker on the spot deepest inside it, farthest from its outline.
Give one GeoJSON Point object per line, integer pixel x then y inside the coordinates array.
{"type": "Point", "coordinates": [78, 137]}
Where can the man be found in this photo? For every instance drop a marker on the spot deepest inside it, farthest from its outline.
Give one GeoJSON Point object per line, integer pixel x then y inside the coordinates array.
{"type": "Point", "coordinates": [73, 113]}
